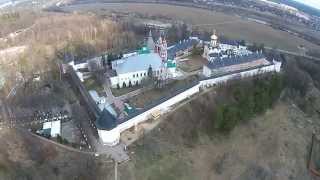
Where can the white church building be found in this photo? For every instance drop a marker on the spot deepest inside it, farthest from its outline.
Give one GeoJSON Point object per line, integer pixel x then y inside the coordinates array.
{"type": "Point", "coordinates": [133, 68]}
{"type": "Point", "coordinates": [214, 49]}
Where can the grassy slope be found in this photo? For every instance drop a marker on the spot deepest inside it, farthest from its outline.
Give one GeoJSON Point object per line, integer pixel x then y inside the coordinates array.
{"type": "Point", "coordinates": [24, 157]}
{"type": "Point", "coordinates": [262, 148]}
{"type": "Point", "coordinates": [274, 145]}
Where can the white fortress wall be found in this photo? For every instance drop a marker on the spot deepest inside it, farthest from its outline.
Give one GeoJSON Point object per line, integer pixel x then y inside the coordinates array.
{"type": "Point", "coordinates": [112, 137]}
{"type": "Point", "coordinates": [109, 138]}
{"type": "Point", "coordinates": [275, 67]}
{"type": "Point", "coordinates": [162, 107]}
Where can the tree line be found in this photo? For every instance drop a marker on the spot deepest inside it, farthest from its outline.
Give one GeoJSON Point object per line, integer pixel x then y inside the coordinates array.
{"type": "Point", "coordinates": [246, 101]}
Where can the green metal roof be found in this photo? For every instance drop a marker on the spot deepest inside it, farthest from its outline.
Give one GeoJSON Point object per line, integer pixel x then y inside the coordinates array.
{"type": "Point", "coordinates": [129, 109]}
{"type": "Point", "coordinates": [171, 64]}
{"type": "Point", "coordinates": [144, 50]}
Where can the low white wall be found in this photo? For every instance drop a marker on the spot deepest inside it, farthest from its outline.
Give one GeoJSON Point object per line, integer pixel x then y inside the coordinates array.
{"type": "Point", "coordinates": [112, 137]}
{"type": "Point", "coordinates": [162, 107]}
{"type": "Point", "coordinates": [109, 138]}
{"type": "Point", "coordinates": [276, 67]}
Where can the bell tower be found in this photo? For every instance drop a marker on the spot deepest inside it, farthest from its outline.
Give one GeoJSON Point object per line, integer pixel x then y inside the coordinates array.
{"type": "Point", "coordinates": [214, 40]}
{"type": "Point", "coordinates": [162, 48]}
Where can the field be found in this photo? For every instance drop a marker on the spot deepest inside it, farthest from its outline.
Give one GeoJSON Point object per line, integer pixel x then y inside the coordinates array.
{"type": "Point", "coordinates": [230, 26]}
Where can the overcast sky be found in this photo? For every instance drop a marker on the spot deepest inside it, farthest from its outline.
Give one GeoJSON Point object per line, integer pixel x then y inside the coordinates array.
{"type": "Point", "coordinates": [313, 3]}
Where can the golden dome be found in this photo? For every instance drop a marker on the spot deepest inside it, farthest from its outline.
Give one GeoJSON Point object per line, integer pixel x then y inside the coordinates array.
{"type": "Point", "coordinates": [214, 36]}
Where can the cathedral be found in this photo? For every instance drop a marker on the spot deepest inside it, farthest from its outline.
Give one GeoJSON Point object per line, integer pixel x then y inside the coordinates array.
{"type": "Point", "coordinates": [134, 67]}
{"type": "Point", "coordinates": [229, 57]}
{"type": "Point", "coordinates": [214, 50]}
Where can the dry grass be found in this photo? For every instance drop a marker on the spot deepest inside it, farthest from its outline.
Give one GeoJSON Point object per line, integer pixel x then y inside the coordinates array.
{"type": "Point", "coordinates": [119, 92]}
{"type": "Point", "coordinates": [25, 157]}
{"type": "Point", "coordinates": [153, 95]}
{"type": "Point", "coordinates": [193, 63]}
{"type": "Point", "coordinates": [264, 148]}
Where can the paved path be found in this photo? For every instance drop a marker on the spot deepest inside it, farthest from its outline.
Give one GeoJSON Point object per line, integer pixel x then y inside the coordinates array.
{"type": "Point", "coordinates": [117, 153]}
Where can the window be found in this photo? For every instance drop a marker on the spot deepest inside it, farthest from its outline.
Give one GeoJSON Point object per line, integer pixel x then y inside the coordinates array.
{"type": "Point", "coordinates": [140, 74]}
{"type": "Point", "coordinates": [134, 76]}
{"type": "Point", "coordinates": [145, 74]}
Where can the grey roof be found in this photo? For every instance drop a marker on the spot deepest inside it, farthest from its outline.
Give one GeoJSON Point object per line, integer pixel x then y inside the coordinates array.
{"type": "Point", "coordinates": [106, 121]}
{"type": "Point", "coordinates": [234, 72]}
{"type": "Point", "coordinates": [214, 55]}
{"type": "Point", "coordinates": [95, 96]}
{"type": "Point", "coordinates": [230, 42]}
{"type": "Point", "coordinates": [181, 46]}
{"type": "Point", "coordinates": [139, 62]}
{"type": "Point", "coordinates": [150, 42]}
{"type": "Point", "coordinates": [229, 61]}
{"type": "Point", "coordinates": [224, 41]}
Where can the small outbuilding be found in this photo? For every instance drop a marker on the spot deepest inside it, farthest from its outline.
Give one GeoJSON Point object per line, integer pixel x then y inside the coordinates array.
{"type": "Point", "coordinates": [52, 128]}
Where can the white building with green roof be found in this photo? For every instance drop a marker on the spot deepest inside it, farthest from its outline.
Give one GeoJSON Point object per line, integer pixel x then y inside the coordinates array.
{"type": "Point", "coordinates": [134, 69]}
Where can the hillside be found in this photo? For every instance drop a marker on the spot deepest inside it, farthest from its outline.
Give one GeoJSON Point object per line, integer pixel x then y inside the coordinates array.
{"type": "Point", "coordinates": [273, 145]}
{"type": "Point", "coordinates": [264, 148]}
{"type": "Point", "coordinates": [24, 157]}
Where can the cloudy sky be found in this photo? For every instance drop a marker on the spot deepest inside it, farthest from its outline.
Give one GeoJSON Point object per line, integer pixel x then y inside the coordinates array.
{"type": "Point", "coordinates": [313, 3]}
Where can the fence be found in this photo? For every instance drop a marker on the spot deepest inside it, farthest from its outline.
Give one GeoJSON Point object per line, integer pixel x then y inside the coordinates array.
{"type": "Point", "coordinates": [89, 102]}
{"type": "Point", "coordinates": [112, 137]}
